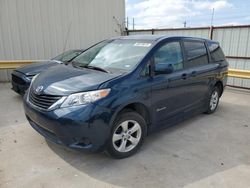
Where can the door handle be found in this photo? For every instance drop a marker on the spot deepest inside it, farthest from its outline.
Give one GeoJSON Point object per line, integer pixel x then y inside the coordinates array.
{"type": "Point", "coordinates": [193, 73]}
{"type": "Point", "coordinates": [184, 76]}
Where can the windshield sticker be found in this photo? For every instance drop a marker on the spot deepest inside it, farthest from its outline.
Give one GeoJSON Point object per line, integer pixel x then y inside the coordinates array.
{"type": "Point", "coordinates": [142, 44]}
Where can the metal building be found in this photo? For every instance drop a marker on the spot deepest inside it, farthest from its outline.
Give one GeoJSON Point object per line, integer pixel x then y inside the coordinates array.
{"type": "Point", "coordinates": [41, 29]}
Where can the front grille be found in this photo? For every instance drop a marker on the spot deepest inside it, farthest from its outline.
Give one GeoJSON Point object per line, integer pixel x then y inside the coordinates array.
{"type": "Point", "coordinates": [17, 79]}
{"type": "Point", "coordinates": [42, 101]}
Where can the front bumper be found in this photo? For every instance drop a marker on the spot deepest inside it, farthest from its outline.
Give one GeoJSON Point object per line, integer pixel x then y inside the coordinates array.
{"type": "Point", "coordinates": [20, 83]}
{"type": "Point", "coordinates": [18, 88]}
{"type": "Point", "coordinates": [80, 127]}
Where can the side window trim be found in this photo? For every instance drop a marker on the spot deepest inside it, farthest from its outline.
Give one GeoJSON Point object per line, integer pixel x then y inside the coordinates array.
{"type": "Point", "coordinates": [208, 53]}
{"type": "Point", "coordinates": [183, 52]}
{"type": "Point", "coordinates": [147, 69]}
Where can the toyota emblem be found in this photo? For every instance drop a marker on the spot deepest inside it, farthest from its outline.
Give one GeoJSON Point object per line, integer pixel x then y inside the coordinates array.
{"type": "Point", "coordinates": [39, 89]}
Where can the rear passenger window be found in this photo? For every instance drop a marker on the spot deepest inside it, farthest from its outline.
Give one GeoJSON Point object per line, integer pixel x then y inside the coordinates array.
{"type": "Point", "coordinates": [170, 53]}
{"type": "Point", "coordinates": [216, 52]}
{"type": "Point", "coordinates": [196, 53]}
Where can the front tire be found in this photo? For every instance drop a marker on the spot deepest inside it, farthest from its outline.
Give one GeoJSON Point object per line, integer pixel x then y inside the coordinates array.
{"type": "Point", "coordinates": [213, 101]}
{"type": "Point", "coordinates": [127, 136]}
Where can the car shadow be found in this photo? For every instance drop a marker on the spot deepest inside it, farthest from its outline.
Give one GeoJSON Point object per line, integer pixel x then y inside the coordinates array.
{"type": "Point", "coordinates": [18, 98]}
{"type": "Point", "coordinates": [173, 157]}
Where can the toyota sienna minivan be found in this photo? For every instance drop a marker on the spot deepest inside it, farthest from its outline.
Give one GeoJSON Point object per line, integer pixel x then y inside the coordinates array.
{"type": "Point", "coordinates": [118, 91]}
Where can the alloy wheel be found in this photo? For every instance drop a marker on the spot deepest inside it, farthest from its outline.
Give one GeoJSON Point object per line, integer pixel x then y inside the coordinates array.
{"type": "Point", "coordinates": [214, 100]}
{"type": "Point", "coordinates": [126, 136]}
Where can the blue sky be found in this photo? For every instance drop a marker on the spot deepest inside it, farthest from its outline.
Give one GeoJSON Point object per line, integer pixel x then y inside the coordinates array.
{"type": "Point", "coordinates": [172, 13]}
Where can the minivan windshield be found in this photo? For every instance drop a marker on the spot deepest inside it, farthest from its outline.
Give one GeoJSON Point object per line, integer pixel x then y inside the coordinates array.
{"type": "Point", "coordinates": [67, 56]}
{"type": "Point", "coordinates": [114, 55]}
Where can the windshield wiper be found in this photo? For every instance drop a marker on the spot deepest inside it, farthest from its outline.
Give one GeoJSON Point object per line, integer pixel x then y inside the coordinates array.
{"type": "Point", "coordinates": [76, 64]}
{"type": "Point", "coordinates": [96, 68]}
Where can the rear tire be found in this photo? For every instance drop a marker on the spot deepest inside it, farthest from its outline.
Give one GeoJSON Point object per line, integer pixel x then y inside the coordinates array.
{"type": "Point", "coordinates": [213, 101]}
{"type": "Point", "coordinates": [127, 135]}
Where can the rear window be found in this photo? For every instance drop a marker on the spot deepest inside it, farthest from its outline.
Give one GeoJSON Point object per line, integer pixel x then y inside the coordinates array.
{"type": "Point", "coordinates": [216, 52]}
{"type": "Point", "coordinates": [196, 53]}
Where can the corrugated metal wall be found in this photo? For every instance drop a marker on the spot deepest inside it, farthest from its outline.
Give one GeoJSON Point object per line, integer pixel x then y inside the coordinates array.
{"type": "Point", "coordinates": [41, 29]}
{"type": "Point", "coordinates": [235, 41]}
{"type": "Point", "coordinates": [5, 75]}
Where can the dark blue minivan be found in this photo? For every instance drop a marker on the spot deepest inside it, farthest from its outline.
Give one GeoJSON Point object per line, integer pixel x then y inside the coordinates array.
{"type": "Point", "coordinates": [120, 90]}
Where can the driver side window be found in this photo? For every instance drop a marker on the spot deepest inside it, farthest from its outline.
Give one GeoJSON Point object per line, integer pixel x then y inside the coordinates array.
{"type": "Point", "coordinates": [170, 53]}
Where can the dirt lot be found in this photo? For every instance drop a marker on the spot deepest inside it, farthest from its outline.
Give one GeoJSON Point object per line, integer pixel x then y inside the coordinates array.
{"type": "Point", "coordinates": [205, 151]}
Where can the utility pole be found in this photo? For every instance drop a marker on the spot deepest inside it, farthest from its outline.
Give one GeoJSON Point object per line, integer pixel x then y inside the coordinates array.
{"type": "Point", "coordinates": [212, 18]}
{"type": "Point", "coordinates": [185, 24]}
{"type": "Point", "coordinates": [133, 23]}
{"type": "Point", "coordinates": [127, 22]}
{"type": "Point", "coordinates": [211, 26]}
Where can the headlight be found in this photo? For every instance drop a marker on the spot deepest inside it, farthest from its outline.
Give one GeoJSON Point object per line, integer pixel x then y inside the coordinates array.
{"type": "Point", "coordinates": [85, 97]}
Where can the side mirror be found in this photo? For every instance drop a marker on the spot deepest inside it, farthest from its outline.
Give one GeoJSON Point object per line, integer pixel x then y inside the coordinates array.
{"type": "Point", "coordinates": [163, 68]}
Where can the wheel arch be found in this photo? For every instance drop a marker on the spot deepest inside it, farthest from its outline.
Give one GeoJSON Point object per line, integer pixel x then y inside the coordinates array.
{"type": "Point", "coordinates": [219, 84]}
{"type": "Point", "coordinates": [138, 107]}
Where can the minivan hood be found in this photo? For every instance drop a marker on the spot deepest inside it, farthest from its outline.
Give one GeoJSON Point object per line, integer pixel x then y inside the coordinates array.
{"type": "Point", "coordinates": [66, 79]}
{"type": "Point", "coordinates": [37, 67]}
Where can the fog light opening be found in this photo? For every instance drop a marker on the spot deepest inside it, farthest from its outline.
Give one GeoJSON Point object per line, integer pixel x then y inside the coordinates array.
{"type": "Point", "coordinates": [84, 142]}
